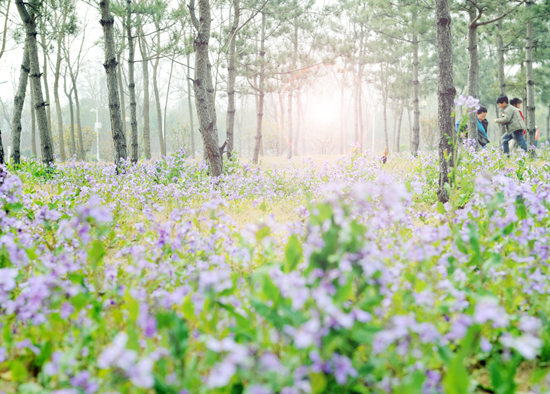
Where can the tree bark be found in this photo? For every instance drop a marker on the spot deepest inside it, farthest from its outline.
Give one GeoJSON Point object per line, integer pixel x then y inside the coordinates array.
{"type": "Point", "coordinates": [33, 125]}
{"type": "Point", "coordinates": [69, 95]}
{"type": "Point", "coordinates": [446, 93]}
{"type": "Point", "coordinates": [1, 155]}
{"type": "Point", "coordinates": [29, 21]}
{"type": "Point", "coordinates": [399, 127]}
{"type": "Point", "coordinates": [131, 81]}
{"type": "Point", "coordinates": [261, 95]}
{"type": "Point", "coordinates": [46, 85]}
{"type": "Point", "coordinates": [473, 71]}
{"type": "Point", "coordinates": [342, 116]}
{"type": "Point", "coordinates": [191, 123]}
{"type": "Point", "coordinates": [289, 109]}
{"type": "Point", "coordinates": [360, 90]}
{"type": "Point", "coordinates": [416, 112]}
{"type": "Point", "coordinates": [157, 96]}
{"type": "Point", "coordinates": [530, 115]}
{"type": "Point", "coordinates": [57, 75]}
{"type": "Point", "coordinates": [18, 103]}
{"type": "Point", "coordinates": [385, 103]}
{"type": "Point", "coordinates": [501, 75]}
{"type": "Point", "coordinates": [107, 22]}
{"type": "Point", "coordinates": [282, 131]}
{"type": "Point", "coordinates": [146, 101]}
{"type": "Point", "coordinates": [204, 91]}
{"type": "Point", "coordinates": [232, 76]}
{"type": "Point", "coordinates": [165, 128]}
{"type": "Point", "coordinates": [121, 84]}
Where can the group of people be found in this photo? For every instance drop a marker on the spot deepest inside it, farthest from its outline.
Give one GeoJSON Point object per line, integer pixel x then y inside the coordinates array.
{"type": "Point", "coordinates": [512, 120]}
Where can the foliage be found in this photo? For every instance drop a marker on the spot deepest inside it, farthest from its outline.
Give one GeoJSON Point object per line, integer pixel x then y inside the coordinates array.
{"type": "Point", "coordinates": [368, 291]}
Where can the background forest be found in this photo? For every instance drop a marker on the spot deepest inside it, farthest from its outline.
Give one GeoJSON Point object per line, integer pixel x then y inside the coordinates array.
{"type": "Point", "coordinates": [288, 77]}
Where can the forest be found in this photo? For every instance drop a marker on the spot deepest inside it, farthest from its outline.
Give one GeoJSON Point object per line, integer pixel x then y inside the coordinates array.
{"type": "Point", "coordinates": [274, 197]}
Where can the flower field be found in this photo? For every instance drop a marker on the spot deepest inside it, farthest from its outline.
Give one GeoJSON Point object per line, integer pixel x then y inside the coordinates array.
{"type": "Point", "coordinates": [147, 281]}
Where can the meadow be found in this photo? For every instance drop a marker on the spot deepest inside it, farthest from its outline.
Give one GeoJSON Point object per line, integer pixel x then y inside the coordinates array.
{"type": "Point", "coordinates": [319, 275]}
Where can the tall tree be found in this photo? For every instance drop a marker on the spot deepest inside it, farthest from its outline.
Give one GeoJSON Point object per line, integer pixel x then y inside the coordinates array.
{"type": "Point", "coordinates": [531, 128]}
{"type": "Point", "coordinates": [203, 87]}
{"type": "Point", "coordinates": [146, 97]}
{"type": "Point", "coordinates": [131, 80]}
{"type": "Point", "coordinates": [119, 139]}
{"type": "Point", "coordinates": [261, 94]}
{"type": "Point", "coordinates": [18, 102]}
{"type": "Point", "coordinates": [29, 20]}
{"type": "Point", "coordinates": [231, 77]}
{"type": "Point", "coordinates": [445, 92]}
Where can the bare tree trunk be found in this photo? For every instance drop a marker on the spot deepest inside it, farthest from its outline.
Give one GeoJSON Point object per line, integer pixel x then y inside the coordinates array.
{"type": "Point", "coordinates": [385, 99]}
{"type": "Point", "coordinates": [360, 91]}
{"type": "Point", "coordinates": [204, 91]}
{"type": "Point", "coordinates": [473, 71]}
{"type": "Point", "coordinates": [146, 117]}
{"type": "Point", "coordinates": [501, 75]}
{"type": "Point", "coordinates": [107, 22]}
{"type": "Point", "coordinates": [78, 122]}
{"type": "Point", "coordinates": [69, 95]}
{"type": "Point", "coordinates": [282, 131]}
{"type": "Point", "coordinates": [18, 103]}
{"type": "Point", "coordinates": [298, 118]}
{"type": "Point", "coordinates": [166, 103]}
{"type": "Point", "coordinates": [399, 126]}
{"type": "Point", "coordinates": [261, 95]}
{"type": "Point", "coordinates": [1, 155]}
{"type": "Point", "coordinates": [231, 76]}
{"type": "Point", "coordinates": [415, 144]}
{"type": "Point", "coordinates": [121, 84]}
{"type": "Point", "coordinates": [131, 81]}
{"type": "Point", "coordinates": [46, 85]}
{"type": "Point", "coordinates": [33, 125]}
{"type": "Point", "coordinates": [191, 123]}
{"type": "Point", "coordinates": [57, 75]}
{"type": "Point", "coordinates": [30, 27]}
{"type": "Point", "coordinates": [446, 93]}
{"type": "Point", "coordinates": [530, 114]}
{"type": "Point", "coordinates": [4, 34]}
{"type": "Point", "coordinates": [342, 117]}
{"type": "Point", "coordinates": [289, 109]}
{"type": "Point", "coordinates": [410, 125]}
{"type": "Point", "coordinates": [157, 96]}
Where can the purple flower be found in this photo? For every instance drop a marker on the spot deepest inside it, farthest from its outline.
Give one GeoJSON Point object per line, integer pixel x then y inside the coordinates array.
{"type": "Point", "coordinates": [141, 375]}
{"type": "Point", "coordinates": [82, 380]}
{"type": "Point", "coordinates": [3, 354]}
{"type": "Point", "coordinates": [487, 309]}
{"type": "Point", "coordinates": [342, 368]}
{"type": "Point", "coordinates": [485, 345]}
{"type": "Point", "coordinates": [459, 327]}
{"type": "Point", "coordinates": [221, 374]}
{"type": "Point", "coordinates": [258, 389]}
{"type": "Point", "coordinates": [7, 279]}
{"type": "Point", "coordinates": [66, 310]}
{"type": "Point", "coordinates": [527, 345]}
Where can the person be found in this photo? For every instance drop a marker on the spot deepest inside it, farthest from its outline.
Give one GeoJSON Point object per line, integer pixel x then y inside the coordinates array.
{"type": "Point", "coordinates": [513, 124]}
{"type": "Point", "coordinates": [482, 124]}
{"type": "Point", "coordinates": [537, 135]}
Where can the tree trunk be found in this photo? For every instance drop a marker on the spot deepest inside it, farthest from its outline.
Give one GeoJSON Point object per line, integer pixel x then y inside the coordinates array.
{"type": "Point", "coordinates": [18, 103]}
{"type": "Point", "coordinates": [298, 119]}
{"type": "Point", "coordinates": [231, 77]}
{"type": "Point", "coordinates": [121, 85]}
{"type": "Point", "coordinates": [446, 93]}
{"type": "Point", "coordinates": [30, 27]}
{"type": "Point", "coordinates": [289, 109]}
{"type": "Point", "coordinates": [78, 122]}
{"type": "Point", "coordinates": [548, 125]}
{"type": "Point", "coordinates": [530, 116]}
{"type": "Point", "coordinates": [360, 91]}
{"type": "Point", "coordinates": [146, 117]}
{"type": "Point", "coordinates": [416, 125]}
{"type": "Point", "coordinates": [261, 94]}
{"type": "Point", "coordinates": [204, 91]}
{"type": "Point", "coordinates": [410, 125]}
{"type": "Point", "coordinates": [282, 131]}
{"type": "Point", "coordinates": [166, 103]}
{"type": "Point", "coordinates": [342, 118]}
{"type": "Point", "coordinates": [473, 71]}
{"type": "Point", "coordinates": [131, 82]}
{"type": "Point", "coordinates": [385, 99]}
{"type": "Point", "coordinates": [1, 155]}
{"type": "Point", "coordinates": [69, 95]}
{"type": "Point", "coordinates": [501, 75]}
{"type": "Point", "coordinates": [399, 127]}
{"type": "Point", "coordinates": [107, 22]}
{"type": "Point", "coordinates": [191, 123]}
{"type": "Point", "coordinates": [46, 85]}
{"type": "Point", "coordinates": [33, 125]}
{"type": "Point", "coordinates": [157, 96]}
{"type": "Point", "coordinates": [56, 89]}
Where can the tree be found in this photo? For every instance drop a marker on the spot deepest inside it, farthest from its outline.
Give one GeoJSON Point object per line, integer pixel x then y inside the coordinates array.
{"type": "Point", "coordinates": [232, 76]}
{"type": "Point", "coordinates": [446, 93]}
{"type": "Point", "coordinates": [531, 129]}
{"type": "Point", "coordinates": [107, 22]}
{"type": "Point", "coordinates": [29, 20]}
{"type": "Point", "coordinates": [18, 106]}
{"type": "Point", "coordinates": [261, 94]}
{"type": "Point", "coordinates": [131, 81]}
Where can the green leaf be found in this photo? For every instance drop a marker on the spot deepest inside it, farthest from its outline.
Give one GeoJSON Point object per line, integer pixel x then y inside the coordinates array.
{"type": "Point", "coordinates": [318, 382]}
{"type": "Point", "coordinates": [441, 209]}
{"type": "Point", "coordinates": [293, 253]}
{"type": "Point", "coordinates": [18, 371]}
